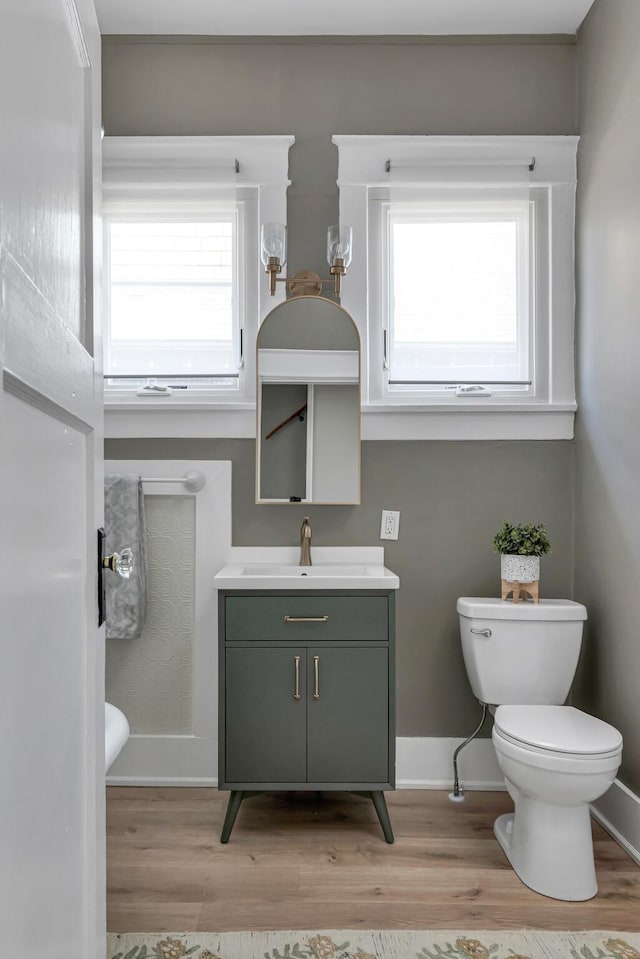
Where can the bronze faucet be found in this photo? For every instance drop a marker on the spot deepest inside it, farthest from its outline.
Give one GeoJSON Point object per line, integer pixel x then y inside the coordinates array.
{"type": "Point", "coordinates": [305, 543]}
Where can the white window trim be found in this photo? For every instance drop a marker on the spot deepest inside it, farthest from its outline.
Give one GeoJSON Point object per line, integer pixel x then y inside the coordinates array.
{"type": "Point", "coordinates": [549, 415]}
{"type": "Point", "coordinates": [261, 184]}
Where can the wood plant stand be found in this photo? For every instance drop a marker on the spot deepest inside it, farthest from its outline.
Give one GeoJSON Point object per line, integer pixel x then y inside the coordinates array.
{"type": "Point", "coordinates": [521, 591]}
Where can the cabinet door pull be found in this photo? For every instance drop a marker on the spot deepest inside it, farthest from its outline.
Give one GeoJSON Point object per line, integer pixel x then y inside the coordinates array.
{"type": "Point", "coordinates": [306, 619]}
{"type": "Point", "coordinates": [296, 660]}
{"type": "Point", "coordinates": [316, 670]}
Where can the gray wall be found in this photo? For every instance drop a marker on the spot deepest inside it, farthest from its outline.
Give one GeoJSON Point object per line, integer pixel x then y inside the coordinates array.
{"type": "Point", "coordinates": [316, 89]}
{"type": "Point", "coordinates": [451, 496]}
{"type": "Point", "coordinates": [608, 425]}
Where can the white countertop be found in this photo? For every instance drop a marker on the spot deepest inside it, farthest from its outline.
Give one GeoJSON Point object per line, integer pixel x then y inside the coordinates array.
{"type": "Point", "coordinates": [276, 567]}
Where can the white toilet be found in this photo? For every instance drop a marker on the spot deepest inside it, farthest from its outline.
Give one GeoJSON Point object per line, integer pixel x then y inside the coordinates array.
{"type": "Point", "coordinates": [522, 657]}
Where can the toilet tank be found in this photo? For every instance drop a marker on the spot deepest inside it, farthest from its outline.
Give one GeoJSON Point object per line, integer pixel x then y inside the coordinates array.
{"type": "Point", "coordinates": [520, 653]}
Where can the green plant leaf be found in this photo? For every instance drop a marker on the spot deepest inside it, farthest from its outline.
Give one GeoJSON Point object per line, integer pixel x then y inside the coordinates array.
{"type": "Point", "coordinates": [524, 539]}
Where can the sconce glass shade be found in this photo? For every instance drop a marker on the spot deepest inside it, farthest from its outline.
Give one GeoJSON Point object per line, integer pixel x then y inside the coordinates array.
{"type": "Point", "coordinates": [273, 242]}
{"type": "Point", "coordinates": [339, 244]}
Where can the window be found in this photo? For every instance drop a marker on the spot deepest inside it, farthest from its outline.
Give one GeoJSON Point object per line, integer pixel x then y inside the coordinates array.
{"type": "Point", "coordinates": [173, 298]}
{"type": "Point", "coordinates": [183, 287]}
{"type": "Point", "coordinates": [468, 283]}
{"type": "Point", "coordinates": [458, 307]}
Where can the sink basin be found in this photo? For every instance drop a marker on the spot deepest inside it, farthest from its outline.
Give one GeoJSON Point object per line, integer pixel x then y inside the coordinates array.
{"type": "Point", "coordinates": [346, 571]}
{"type": "Point", "coordinates": [318, 576]}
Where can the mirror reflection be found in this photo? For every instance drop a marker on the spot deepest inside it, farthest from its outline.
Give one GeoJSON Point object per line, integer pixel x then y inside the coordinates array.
{"type": "Point", "coordinates": [308, 417]}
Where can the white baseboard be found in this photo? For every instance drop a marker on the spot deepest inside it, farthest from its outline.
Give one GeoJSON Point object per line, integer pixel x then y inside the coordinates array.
{"type": "Point", "coordinates": [427, 763]}
{"type": "Point", "coordinates": [422, 763]}
{"type": "Point", "coordinates": [618, 811]}
{"type": "Point", "coordinates": [166, 761]}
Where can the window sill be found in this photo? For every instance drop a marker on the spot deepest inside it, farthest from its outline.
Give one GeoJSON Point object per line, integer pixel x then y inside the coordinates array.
{"type": "Point", "coordinates": [193, 400]}
{"type": "Point", "coordinates": [165, 416]}
{"type": "Point", "coordinates": [469, 420]}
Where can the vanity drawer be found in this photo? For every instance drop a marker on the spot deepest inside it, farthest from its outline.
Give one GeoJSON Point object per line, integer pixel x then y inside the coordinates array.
{"type": "Point", "coordinates": [314, 618]}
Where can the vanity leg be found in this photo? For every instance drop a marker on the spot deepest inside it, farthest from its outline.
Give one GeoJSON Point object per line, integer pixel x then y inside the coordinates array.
{"type": "Point", "coordinates": [233, 806]}
{"type": "Point", "coordinates": [380, 804]}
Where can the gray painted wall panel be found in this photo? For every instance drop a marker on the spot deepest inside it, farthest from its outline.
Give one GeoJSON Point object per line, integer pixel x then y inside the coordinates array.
{"type": "Point", "coordinates": [452, 496]}
{"type": "Point", "coordinates": [608, 423]}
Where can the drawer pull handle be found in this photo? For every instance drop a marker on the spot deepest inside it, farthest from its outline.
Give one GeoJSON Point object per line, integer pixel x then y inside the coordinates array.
{"type": "Point", "coordinates": [316, 670]}
{"type": "Point", "coordinates": [296, 660]}
{"type": "Point", "coordinates": [306, 619]}
{"type": "Point", "coordinates": [482, 632]}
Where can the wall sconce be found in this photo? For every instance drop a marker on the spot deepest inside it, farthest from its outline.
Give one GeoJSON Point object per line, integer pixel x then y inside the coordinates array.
{"type": "Point", "coordinates": [305, 282]}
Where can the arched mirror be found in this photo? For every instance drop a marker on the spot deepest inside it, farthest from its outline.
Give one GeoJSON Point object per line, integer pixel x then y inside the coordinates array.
{"type": "Point", "coordinates": [308, 409]}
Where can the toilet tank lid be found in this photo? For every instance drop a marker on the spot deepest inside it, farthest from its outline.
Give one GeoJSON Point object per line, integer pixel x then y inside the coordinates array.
{"type": "Point", "coordinates": [487, 607]}
{"type": "Point", "coordinates": [562, 729]}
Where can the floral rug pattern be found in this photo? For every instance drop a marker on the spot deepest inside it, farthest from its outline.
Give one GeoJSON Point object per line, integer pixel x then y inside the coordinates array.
{"type": "Point", "coordinates": [359, 944]}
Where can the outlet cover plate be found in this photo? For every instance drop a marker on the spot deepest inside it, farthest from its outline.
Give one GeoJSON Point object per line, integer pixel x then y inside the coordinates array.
{"type": "Point", "coordinates": [390, 524]}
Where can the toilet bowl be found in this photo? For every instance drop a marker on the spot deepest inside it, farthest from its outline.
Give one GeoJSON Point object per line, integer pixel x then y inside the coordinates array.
{"type": "Point", "coordinates": [521, 658]}
{"type": "Point", "coordinates": [116, 733]}
{"type": "Point", "coordinates": [555, 760]}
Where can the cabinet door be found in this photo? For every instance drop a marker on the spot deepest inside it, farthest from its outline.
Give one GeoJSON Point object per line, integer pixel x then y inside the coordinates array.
{"type": "Point", "coordinates": [265, 732]}
{"type": "Point", "coordinates": [348, 725]}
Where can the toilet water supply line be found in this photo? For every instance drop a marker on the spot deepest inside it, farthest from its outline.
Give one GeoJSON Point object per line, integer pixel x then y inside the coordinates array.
{"type": "Point", "coordinates": [458, 791]}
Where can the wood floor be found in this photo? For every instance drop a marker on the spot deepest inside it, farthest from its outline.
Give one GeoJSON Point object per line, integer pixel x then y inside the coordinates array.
{"type": "Point", "coordinates": [307, 861]}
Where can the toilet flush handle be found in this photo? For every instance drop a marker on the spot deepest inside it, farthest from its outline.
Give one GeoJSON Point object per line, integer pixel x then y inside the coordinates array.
{"type": "Point", "coordinates": [482, 632]}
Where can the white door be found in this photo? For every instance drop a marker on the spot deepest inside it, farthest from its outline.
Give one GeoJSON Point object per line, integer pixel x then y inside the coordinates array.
{"type": "Point", "coordinates": [51, 666]}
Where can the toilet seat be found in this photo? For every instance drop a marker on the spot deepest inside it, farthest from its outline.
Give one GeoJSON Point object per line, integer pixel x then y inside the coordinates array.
{"type": "Point", "coordinates": [557, 731]}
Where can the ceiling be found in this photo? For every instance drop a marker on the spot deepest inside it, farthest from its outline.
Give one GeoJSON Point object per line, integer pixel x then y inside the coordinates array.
{"type": "Point", "coordinates": [341, 17]}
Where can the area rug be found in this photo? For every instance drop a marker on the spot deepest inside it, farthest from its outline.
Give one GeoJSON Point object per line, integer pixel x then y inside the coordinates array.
{"type": "Point", "coordinates": [370, 944]}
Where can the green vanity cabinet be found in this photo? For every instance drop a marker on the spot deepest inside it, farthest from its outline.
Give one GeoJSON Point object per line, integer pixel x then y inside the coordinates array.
{"type": "Point", "coordinates": [307, 701]}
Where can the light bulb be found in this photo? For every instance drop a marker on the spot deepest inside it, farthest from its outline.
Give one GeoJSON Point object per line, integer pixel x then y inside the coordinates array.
{"type": "Point", "coordinates": [339, 244]}
{"type": "Point", "coordinates": [274, 242]}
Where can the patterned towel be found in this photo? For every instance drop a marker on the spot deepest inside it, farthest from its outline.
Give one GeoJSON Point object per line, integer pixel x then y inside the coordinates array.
{"type": "Point", "coordinates": [124, 523]}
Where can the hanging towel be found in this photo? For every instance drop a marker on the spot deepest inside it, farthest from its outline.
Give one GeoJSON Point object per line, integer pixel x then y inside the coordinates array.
{"type": "Point", "coordinates": [124, 524]}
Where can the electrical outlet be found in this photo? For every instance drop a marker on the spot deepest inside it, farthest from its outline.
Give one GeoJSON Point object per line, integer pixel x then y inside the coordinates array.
{"type": "Point", "coordinates": [390, 524]}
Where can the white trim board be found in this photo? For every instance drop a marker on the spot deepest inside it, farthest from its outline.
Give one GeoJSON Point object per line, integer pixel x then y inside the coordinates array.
{"type": "Point", "coordinates": [191, 421]}
{"type": "Point", "coordinates": [126, 418]}
{"type": "Point", "coordinates": [618, 811]}
{"type": "Point", "coordinates": [427, 763]}
{"type": "Point", "coordinates": [421, 763]}
{"type": "Point", "coordinates": [167, 761]}
{"type": "Point", "coordinates": [155, 760]}
{"type": "Point", "coordinates": [466, 423]}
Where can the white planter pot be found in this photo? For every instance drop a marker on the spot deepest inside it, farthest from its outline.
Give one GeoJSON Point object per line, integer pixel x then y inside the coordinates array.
{"type": "Point", "coordinates": [519, 569]}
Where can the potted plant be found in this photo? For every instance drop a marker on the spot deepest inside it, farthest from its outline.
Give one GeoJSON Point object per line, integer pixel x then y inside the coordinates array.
{"type": "Point", "coordinates": [520, 549]}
